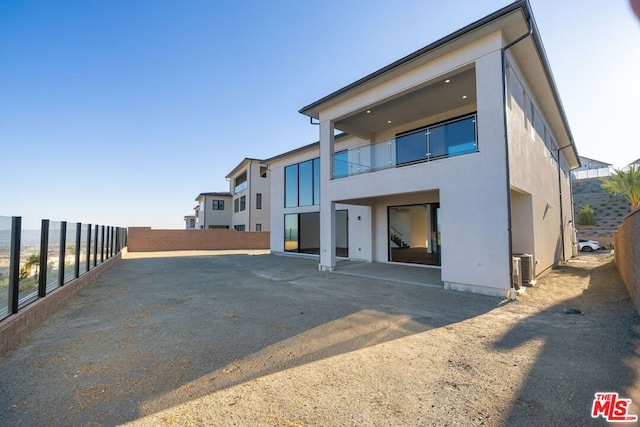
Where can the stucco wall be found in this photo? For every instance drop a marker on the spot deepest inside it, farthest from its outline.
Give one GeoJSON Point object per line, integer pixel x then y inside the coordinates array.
{"type": "Point", "coordinates": [534, 179]}
{"type": "Point", "coordinates": [627, 254]}
{"type": "Point", "coordinates": [144, 239]}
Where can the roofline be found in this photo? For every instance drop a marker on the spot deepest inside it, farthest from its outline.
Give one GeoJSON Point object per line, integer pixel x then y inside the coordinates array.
{"type": "Point", "coordinates": [214, 193]}
{"type": "Point", "coordinates": [439, 43]}
{"type": "Point", "coordinates": [241, 164]}
{"type": "Point", "coordinates": [537, 42]}
{"type": "Point", "coordinates": [299, 149]}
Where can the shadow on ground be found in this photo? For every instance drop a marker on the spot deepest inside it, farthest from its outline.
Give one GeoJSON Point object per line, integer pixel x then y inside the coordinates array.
{"type": "Point", "coordinates": [136, 342]}
{"type": "Point", "coordinates": [581, 354]}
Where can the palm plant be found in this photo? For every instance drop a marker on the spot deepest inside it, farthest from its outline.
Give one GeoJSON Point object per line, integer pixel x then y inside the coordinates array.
{"type": "Point", "coordinates": [626, 183]}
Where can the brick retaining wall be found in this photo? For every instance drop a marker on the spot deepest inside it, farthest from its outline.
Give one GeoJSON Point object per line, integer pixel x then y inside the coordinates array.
{"type": "Point", "coordinates": [627, 254]}
{"type": "Point", "coordinates": [144, 239]}
{"type": "Point", "coordinates": [16, 327]}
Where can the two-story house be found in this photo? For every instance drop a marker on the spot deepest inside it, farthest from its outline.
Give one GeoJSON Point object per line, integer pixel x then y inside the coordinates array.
{"type": "Point", "coordinates": [455, 157]}
{"type": "Point", "coordinates": [213, 211]}
{"type": "Point", "coordinates": [249, 186]}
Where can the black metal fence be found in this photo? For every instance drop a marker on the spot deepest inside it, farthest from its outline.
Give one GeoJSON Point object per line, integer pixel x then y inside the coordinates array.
{"type": "Point", "coordinates": [35, 262]}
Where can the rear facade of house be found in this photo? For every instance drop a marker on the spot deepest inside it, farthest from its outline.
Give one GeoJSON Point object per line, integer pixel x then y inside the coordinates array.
{"type": "Point", "coordinates": [455, 157]}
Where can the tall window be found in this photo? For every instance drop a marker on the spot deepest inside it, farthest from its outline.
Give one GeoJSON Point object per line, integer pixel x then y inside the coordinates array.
{"type": "Point", "coordinates": [218, 205]}
{"type": "Point", "coordinates": [258, 200]}
{"type": "Point", "coordinates": [258, 227]}
{"type": "Point", "coordinates": [236, 205]}
{"type": "Point", "coordinates": [243, 203]}
{"type": "Point", "coordinates": [302, 184]}
{"type": "Point", "coordinates": [291, 186]}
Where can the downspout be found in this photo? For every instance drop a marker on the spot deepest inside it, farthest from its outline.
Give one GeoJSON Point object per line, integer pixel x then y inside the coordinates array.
{"type": "Point", "coordinates": [503, 52]}
{"type": "Point", "coordinates": [564, 256]}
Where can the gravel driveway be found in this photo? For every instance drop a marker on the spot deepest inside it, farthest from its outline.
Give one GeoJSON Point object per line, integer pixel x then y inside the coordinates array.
{"type": "Point", "coordinates": [267, 340]}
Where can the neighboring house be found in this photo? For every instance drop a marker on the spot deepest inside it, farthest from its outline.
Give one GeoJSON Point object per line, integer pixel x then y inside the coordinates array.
{"type": "Point", "coordinates": [190, 222]}
{"type": "Point", "coordinates": [249, 187]}
{"type": "Point", "coordinates": [590, 168]}
{"type": "Point", "coordinates": [426, 173]}
{"type": "Point", "coordinates": [213, 210]}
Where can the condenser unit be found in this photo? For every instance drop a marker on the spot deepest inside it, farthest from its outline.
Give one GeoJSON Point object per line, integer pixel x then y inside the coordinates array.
{"type": "Point", "coordinates": [517, 276]}
{"type": "Point", "coordinates": [527, 265]}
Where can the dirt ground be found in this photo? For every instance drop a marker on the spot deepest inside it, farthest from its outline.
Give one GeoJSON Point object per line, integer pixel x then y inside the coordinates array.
{"type": "Point", "coordinates": [265, 340]}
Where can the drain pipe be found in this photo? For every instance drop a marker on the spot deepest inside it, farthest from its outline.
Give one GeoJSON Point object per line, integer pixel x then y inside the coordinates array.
{"type": "Point", "coordinates": [503, 52]}
{"type": "Point", "coordinates": [564, 256]}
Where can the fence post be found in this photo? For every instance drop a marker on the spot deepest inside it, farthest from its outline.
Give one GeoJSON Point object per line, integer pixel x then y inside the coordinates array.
{"type": "Point", "coordinates": [14, 264]}
{"type": "Point", "coordinates": [44, 253]}
{"type": "Point", "coordinates": [63, 247]}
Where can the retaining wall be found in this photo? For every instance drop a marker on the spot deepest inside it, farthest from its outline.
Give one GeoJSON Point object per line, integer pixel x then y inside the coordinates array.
{"type": "Point", "coordinates": [144, 239]}
{"type": "Point", "coordinates": [627, 254]}
{"type": "Point", "coordinates": [16, 327]}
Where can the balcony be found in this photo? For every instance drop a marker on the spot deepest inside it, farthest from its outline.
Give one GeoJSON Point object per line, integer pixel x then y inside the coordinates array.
{"type": "Point", "coordinates": [442, 140]}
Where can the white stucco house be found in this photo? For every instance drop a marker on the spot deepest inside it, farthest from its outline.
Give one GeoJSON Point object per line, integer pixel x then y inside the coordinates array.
{"type": "Point", "coordinates": [591, 168]}
{"type": "Point", "coordinates": [455, 157]}
{"type": "Point", "coordinates": [249, 185]}
{"type": "Point", "coordinates": [189, 222]}
{"type": "Point", "coordinates": [213, 211]}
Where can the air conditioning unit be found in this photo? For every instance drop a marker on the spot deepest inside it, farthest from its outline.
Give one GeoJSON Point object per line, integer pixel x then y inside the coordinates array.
{"type": "Point", "coordinates": [527, 265]}
{"type": "Point", "coordinates": [517, 273]}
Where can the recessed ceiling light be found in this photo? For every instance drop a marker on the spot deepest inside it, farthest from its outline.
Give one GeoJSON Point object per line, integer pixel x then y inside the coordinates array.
{"type": "Point", "coordinates": [447, 81]}
{"type": "Point", "coordinates": [388, 121]}
{"type": "Point", "coordinates": [464, 96]}
{"type": "Point", "coordinates": [368, 111]}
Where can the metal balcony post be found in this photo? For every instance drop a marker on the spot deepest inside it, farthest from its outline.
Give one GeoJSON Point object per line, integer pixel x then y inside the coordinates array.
{"type": "Point", "coordinates": [14, 264]}
{"type": "Point", "coordinates": [44, 252]}
{"type": "Point", "coordinates": [63, 247]}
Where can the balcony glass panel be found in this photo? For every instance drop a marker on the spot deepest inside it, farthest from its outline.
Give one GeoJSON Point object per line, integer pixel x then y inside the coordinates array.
{"type": "Point", "coordinates": [5, 255]}
{"type": "Point", "coordinates": [53, 256]}
{"type": "Point", "coordinates": [29, 266]}
{"type": "Point", "coordinates": [454, 138]}
{"type": "Point", "coordinates": [70, 253]}
{"type": "Point", "coordinates": [83, 250]}
{"type": "Point", "coordinates": [341, 164]}
{"type": "Point", "coordinates": [411, 147]}
{"type": "Point", "coordinates": [241, 187]}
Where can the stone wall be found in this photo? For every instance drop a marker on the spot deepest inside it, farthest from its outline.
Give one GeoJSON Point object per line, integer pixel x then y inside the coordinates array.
{"type": "Point", "coordinates": [144, 239]}
{"type": "Point", "coordinates": [627, 254]}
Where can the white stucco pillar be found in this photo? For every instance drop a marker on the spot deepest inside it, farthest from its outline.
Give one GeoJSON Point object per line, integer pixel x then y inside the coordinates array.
{"type": "Point", "coordinates": [327, 206]}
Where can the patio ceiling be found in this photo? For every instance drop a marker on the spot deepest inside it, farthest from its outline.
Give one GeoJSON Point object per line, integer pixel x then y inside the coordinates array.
{"type": "Point", "coordinates": [450, 92]}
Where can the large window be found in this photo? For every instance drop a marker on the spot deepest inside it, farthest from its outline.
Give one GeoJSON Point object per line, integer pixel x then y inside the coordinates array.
{"type": "Point", "coordinates": [218, 205]}
{"type": "Point", "coordinates": [258, 200]}
{"type": "Point", "coordinates": [302, 233]}
{"type": "Point", "coordinates": [243, 203]}
{"type": "Point", "coordinates": [291, 186]}
{"type": "Point", "coordinates": [302, 184]}
{"type": "Point", "coordinates": [236, 205]}
{"type": "Point", "coordinates": [444, 140]}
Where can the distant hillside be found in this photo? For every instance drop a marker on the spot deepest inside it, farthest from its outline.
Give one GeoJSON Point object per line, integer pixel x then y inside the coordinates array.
{"type": "Point", "coordinates": [610, 210]}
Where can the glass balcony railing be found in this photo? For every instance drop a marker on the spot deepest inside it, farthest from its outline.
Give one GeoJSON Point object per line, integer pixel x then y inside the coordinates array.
{"type": "Point", "coordinates": [444, 140]}
{"type": "Point", "coordinates": [240, 187]}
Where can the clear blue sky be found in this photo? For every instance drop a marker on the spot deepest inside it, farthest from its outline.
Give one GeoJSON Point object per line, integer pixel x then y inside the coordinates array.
{"type": "Point", "coordinates": [122, 112]}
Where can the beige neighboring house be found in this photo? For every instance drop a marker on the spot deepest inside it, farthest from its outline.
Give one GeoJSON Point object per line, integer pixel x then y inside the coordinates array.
{"type": "Point", "coordinates": [250, 190]}
{"type": "Point", "coordinates": [591, 168]}
{"type": "Point", "coordinates": [455, 157]}
{"type": "Point", "coordinates": [190, 222]}
{"type": "Point", "coordinates": [213, 211]}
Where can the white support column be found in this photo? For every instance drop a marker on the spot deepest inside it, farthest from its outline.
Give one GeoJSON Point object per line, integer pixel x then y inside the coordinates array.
{"type": "Point", "coordinates": [327, 206]}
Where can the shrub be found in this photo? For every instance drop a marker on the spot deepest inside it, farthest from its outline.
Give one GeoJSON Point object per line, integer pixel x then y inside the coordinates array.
{"type": "Point", "coordinates": [586, 216]}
